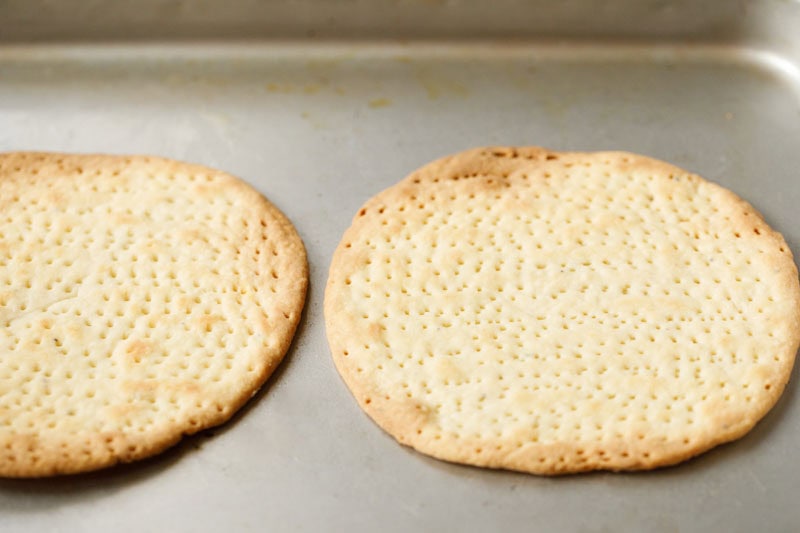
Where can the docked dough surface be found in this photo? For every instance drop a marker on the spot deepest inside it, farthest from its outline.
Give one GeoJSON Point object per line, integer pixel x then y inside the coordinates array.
{"type": "Point", "coordinates": [561, 312]}
{"type": "Point", "coordinates": [141, 299]}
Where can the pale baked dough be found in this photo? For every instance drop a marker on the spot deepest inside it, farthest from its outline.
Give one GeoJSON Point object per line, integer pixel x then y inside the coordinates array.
{"type": "Point", "coordinates": [561, 312]}
{"type": "Point", "coordinates": [141, 299]}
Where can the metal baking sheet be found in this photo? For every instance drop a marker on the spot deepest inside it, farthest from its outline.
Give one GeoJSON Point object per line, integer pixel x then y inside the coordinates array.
{"type": "Point", "coordinates": [319, 127]}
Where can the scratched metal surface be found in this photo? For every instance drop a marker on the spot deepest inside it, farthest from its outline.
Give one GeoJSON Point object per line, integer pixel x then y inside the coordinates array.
{"type": "Point", "coordinates": [319, 128]}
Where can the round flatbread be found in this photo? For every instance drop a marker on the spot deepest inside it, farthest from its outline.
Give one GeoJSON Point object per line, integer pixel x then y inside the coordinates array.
{"type": "Point", "coordinates": [556, 312]}
{"type": "Point", "coordinates": [141, 299]}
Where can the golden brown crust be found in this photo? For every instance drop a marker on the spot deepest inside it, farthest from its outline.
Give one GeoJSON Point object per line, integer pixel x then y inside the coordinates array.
{"type": "Point", "coordinates": [486, 173]}
{"type": "Point", "coordinates": [145, 411]}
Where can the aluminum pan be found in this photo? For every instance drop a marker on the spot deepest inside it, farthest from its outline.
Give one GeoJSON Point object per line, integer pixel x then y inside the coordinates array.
{"type": "Point", "coordinates": [321, 128]}
{"type": "Point", "coordinates": [772, 23]}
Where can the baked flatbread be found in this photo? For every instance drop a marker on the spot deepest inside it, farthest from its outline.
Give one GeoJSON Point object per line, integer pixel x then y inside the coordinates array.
{"type": "Point", "coordinates": [141, 299]}
{"type": "Point", "coordinates": [556, 312]}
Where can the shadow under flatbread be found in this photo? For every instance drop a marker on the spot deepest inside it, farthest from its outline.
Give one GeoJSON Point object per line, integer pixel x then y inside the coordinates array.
{"type": "Point", "coordinates": [35, 495]}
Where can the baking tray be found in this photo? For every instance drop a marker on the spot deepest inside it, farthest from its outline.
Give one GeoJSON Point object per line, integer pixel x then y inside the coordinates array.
{"type": "Point", "coordinates": [322, 104]}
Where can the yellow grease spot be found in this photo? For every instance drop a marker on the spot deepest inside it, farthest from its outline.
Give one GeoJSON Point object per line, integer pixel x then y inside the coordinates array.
{"type": "Point", "coordinates": [380, 102]}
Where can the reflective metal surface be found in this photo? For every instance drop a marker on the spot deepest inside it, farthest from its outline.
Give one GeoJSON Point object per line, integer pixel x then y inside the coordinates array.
{"type": "Point", "coordinates": [319, 127]}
